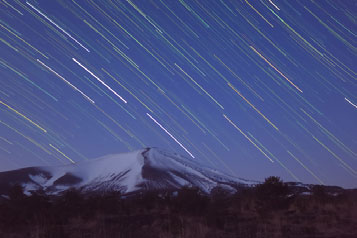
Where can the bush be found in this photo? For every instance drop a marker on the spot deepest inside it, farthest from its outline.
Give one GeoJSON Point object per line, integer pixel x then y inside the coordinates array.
{"type": "Point", "coordinates": [272, 194]}
{"type": "Point", "coordinates": [191, 200]}
{"type": "Point", "coordinates": [319, 193]}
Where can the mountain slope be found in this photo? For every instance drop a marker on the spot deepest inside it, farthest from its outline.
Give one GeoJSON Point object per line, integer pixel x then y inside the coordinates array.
{"type": "Point", "coordinates": [147, 169]}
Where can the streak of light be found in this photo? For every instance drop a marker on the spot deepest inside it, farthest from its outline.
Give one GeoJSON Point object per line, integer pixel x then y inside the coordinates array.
{"type": "Point", "coordinates": [334, 155]}
{"type": "Point", "coordinates": [274, 157]}
{"type": "Point", "coordinates": [181, 21]}
{"type": "Point", "coordinates": [132, 94]}
{"type": "Point", "coordinates": [94, 19]}
{"type": "Point", "coordinates": [306, 168]}
{"type": "Point", "coordinates": [18, 37]}
{"type": "Point", "coordinates": [351, 103]}
{"type": "Point", "coordinates": [145, 16]}
{"type": "Point", "coordinates": [230, 85]}
{"type": "Point", "coordinates": [183, 55]}
{"type": "Point", "coordinates": [28, 80]}
{"type": "Point", "coordinates": [163, 128]}
{"type": "Point", "coordinates": [23, 116]}
{"type": "Point", "coordinates": [210, 65]}
{"type": "Point", "coordinates": [235, 126]}
{"type": "Point", "coordinates": [331, 30]}
{"type": "Point", "coordinates": [110, 89]}
{"type": "Point", "coordinates": [5, 150]}
{"type": "Point", "coordinates": [342, 25]}
{"type": "Point", "coordinates": [102, 92]}
{"type": "Point", "coordinates": [112, 44]}
{"type": "Point", "coordinates": [228, 8]}
{"type": "Point", "coordinates": [220, 160]}
{"type": "Point", "coordinates": [58, 75]}
{"type": "Point", "coordinates": [295, 145]}
{"type": "Point", "coordinates": [65, 32]}
{"type": "Point", "coordinates": [8, 44]}
{"type": "Point", "coordinates": [214, 154]}
{"type": "Point", "coordinates": [13, 7]}
{"type": "Point", "coordinates": [302, 38]}
{"type": "Point", "coordinates": [274, 5]}
{"type": "Point", "coordinates": [62, 154]}
{"type": "Point", "coordinates": [115, 122]}
{"type": "Point", "coordinates": [259, 14]}
{"type": "Point", "coordinates": [275, 68]}
{"type": "Point", "coordinates": [329, 134]}
{"type": "Point", "coordinates": [173, 103]}
{"type": "Point", "coordinates": [195, 119]}
{"type": "Point", "coordinates": [75, 151]}
{"type": "Point", "coordinates": [30, 151]}
{"type": "Point", "coordinates": [209, 95]}
{"type": "Point", "coordinates": [185, 112]}
{"type": "Point", "coordinates": [115, 135]}
{"type": "Point", "coordinates": [26, 137]}
{"type": "Point", "coordinates": [6, 140]}
{"type": "Point", "coordinates": [235, 75]}
{"type": "Point", "coordinates": [349, 172]}
{"type": "Point", "coordinates": [194, 13]}
{"type": "Point", "coordinates": [127, 32]}
{"type": "Point", "coordinates": [205, 127]}
{"type": "Point", "coordinates": [282, 101]}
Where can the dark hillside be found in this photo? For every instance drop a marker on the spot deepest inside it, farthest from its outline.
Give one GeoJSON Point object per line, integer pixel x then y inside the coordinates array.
{"type": "Point", "coordinates": [267, 210]}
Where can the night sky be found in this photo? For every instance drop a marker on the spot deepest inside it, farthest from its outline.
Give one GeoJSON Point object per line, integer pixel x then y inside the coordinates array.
{"type": "Point", "coordinates": [255, 88]}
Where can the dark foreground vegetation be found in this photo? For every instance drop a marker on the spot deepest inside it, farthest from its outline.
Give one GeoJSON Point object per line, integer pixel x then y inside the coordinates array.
{"type": "Point", "coordinates": [272, 209]}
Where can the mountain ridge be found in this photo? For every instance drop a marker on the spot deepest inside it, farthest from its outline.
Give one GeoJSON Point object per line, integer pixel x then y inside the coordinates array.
{"type": "Point", "coordinates": [145, 169]}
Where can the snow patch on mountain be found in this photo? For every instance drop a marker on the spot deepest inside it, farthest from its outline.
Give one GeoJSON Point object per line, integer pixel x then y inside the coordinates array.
{"type": "Point", "coordinates": [146, 169]}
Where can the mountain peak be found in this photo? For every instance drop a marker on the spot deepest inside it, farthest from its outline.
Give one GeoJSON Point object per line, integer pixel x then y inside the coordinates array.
{"type": "Point", "coordinates": [145, 169]}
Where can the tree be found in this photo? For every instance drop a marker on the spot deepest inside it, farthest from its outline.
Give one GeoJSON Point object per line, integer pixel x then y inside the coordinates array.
{"type": "Point", "coordinates": [220, 201]}
{"type": "Point", "coordinates": [319, 193]}
{"type": "Point", "coordinates": [70, 203]}
{"type": "Point", "coordinates": [220, 198]}
{"type": "Point", "coordinates": [16, 212]}
{"type": "Point", "coordinates": [191, 200]}
{"type": "Point", "coordinates": [16, 193]}
{"type": "Point", "coordinates": [272, 193]}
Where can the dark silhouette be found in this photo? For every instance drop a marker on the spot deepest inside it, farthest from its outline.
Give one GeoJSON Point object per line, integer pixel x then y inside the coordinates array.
{"type": "Point", "coordinates": [270, 209]}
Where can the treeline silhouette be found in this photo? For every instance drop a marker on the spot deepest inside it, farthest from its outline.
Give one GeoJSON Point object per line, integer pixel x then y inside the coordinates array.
{"type": "Point", "coordinates": [271, 209]}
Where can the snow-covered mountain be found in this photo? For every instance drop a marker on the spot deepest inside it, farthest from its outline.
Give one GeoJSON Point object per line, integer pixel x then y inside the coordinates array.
{"type": "Point", "coordinates": [147, 169]}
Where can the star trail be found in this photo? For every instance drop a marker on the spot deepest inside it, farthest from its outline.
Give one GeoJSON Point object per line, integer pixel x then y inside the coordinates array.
{"type": "Point", "coordinates": [254, 88]}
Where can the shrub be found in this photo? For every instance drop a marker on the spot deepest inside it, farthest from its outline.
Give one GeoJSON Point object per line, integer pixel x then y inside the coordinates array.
{"type": "Point", "coordinates": [272, 194]}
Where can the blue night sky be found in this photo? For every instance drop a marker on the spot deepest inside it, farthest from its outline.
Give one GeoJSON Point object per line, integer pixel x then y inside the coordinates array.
{"type": "Point", "coordinates": [255, 88]}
